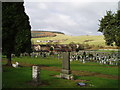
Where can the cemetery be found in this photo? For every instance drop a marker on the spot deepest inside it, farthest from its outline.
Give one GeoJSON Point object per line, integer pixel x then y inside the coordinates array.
{"type": "Point", "coordinates": [78, 58]}
{"type": "Point", "coordinates": [83, 69]}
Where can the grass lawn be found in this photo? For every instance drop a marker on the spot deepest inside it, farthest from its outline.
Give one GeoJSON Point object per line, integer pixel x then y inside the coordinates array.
{"type": "Point", "coordinates": [19, 77]}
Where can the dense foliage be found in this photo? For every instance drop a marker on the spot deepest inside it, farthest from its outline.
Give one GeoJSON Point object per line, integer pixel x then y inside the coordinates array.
{"type": "Point", "coordinates": [16, 34]}
{"type": "Point", "coordinates": [110, 27]}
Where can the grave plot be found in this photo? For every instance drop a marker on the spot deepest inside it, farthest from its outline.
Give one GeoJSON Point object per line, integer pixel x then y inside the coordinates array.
{"type": "Point", "coordinates": [39, 54]}
{"type": "Point", "coordinates": [108, 58]}
{"type": "Point", "coordinates": [50, 67]}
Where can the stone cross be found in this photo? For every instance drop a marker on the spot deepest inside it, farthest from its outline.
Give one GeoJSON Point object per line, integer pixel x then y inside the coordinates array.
{"type": "Point", "coordinates": [66, 73]}
{"type": "Point", "coordinates": [36, 74]}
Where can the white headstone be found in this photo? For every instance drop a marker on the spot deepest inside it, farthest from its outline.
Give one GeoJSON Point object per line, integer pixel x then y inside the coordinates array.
{"type": "Point", "coordinates": [15, 65]}
{"type": "Point", "coordinates": [71, 60]}
{"type": "Point", "coordinates": [35, 73]}
{"type": "Point", "coordinates": [104, 62]}
{"type": "Point", "coordinates": [83, 61]}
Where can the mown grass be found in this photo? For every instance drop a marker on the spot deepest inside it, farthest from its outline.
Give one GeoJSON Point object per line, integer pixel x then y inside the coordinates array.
{"type": "Point", "coordinates": [101, 82]}
{"type": "Point", "coordinates": [94, 67]}
{"type": "Point", "coordinates": [75, 65]}
{"type": "Point", "coordinates": [19, 77]}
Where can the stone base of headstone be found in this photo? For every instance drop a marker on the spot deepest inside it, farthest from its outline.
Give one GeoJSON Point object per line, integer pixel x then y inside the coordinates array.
{"type": "Point", "coordinates": [66, 74]}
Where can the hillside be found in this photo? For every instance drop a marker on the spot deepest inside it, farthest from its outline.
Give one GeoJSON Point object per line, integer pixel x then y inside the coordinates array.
{"type": "Point", "coordinates": [39, 34]}
{"type": "Point", "coordinates": [65, 39]}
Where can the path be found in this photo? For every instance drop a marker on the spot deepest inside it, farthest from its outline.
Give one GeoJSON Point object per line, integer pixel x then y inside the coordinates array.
{"type": "Point", "coordinates": [82, 73]}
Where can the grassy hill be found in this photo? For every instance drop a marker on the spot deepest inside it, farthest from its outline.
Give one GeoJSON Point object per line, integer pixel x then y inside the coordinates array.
{"type": "Point", "coordinates": [39, 34]}
{"type": "Point", "coordinates": [65, 39]}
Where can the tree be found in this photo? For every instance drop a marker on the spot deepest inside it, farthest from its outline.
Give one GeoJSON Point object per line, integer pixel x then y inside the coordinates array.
{"type": "Point", "coordinates": [51, 50]}
{"type": "Point", "coordinates": [110, 27]}
{"type": "Point", "coordinates": [72, 45]}
{"type": "Point", "coordinates": [81, 47]}
{"type": "Point", "coordinates": [117, 28]}
{"type": "Point", "coordinates": [16, 34]}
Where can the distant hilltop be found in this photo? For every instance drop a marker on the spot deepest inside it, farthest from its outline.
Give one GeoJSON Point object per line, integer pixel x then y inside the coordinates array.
{"type": "Point", "coordinates": [39, 34]}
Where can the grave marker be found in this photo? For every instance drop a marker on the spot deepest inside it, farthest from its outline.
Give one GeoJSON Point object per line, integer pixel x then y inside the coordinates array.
{"type": "Point", "coordinates": [66, 73]}
{"type": "Point", "coordinates": [36, 74]}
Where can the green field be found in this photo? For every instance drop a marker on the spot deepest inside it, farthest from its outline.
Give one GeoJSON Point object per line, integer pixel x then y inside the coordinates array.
{"type": "Point", "coordinates": [94, 40]}
{"type": "Point", "coordinates": [100, 76]}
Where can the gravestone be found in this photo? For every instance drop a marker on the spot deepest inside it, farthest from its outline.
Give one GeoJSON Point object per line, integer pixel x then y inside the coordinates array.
{"type": "Point", "coordinates": [104, 62]}
{"type": "Point", "coordinates": [15, 65]}
{"type": "Point", "coordinates": [44, 55]}
{"type": "Point", "coordinates": [36, 74]}
{"type": "Point", "coordinates": [83, 61]}
{"type": "Point", "coordinates": [66, 73]}
{"type": "Point", "coordinates": [58, 56]}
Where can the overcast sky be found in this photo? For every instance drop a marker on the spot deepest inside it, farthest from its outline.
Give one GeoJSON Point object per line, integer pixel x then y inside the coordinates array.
{"type": "Point", "coordinates": [72, 18]}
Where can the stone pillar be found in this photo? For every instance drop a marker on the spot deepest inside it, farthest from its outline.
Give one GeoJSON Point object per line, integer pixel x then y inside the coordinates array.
{"type": "Point", "coordinates": [36, 74]}
{"type": "Point", "coordinates": [66, 73]}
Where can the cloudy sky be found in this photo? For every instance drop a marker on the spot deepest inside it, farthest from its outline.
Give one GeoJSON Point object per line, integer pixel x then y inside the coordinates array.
{"type": "Point", "coordinates": [70, 17]}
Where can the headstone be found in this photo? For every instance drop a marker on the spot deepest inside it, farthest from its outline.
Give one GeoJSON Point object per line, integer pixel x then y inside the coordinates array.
{"type": "Point", "coordinates": [58, 56]}
{"type": "Point", "coordinates": [44, 55]}
{"type": "Point", "coordinates": [15, 65]}
{"type": "Point", "coordinates": [104, 62]}
{"type": "Point", "coordinates": [66, 73]}
{"type": "Point", "coordinates": [116, 63]}
{"type": "Point", "coordinates": [110, 62]}
{"type": "Point", "coordinates": [83, 60]}
{"type": "Point", "coordinates": [36, 74]}
{"type": "Point", "coordinates": [78, 57]}
{"type": "Point", "coordinates": [71, 60]}
{"type": "Point", "coordinates": [36, 56]}
{"type": "Point", "coordinates": [32, 55]}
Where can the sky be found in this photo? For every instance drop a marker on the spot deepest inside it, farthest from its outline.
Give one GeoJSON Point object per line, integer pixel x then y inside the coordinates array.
{"type": "Point", "coordinates": [73, 17]}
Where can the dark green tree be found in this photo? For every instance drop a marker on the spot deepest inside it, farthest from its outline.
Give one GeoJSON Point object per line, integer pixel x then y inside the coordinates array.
{"type": "Point", "coordinates": [110, 27]}
{"type": "Point", "coordinates": [51, 50]}
{"type": "Point", "coordinates": [16, 34]}
{"type": "Point", "coordinates": [117, 28]}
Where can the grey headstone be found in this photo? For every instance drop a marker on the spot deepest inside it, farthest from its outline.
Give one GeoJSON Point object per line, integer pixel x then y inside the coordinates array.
{"type": "Point", "coordinates": [66, 73]}
{"type": "Point", "coordinates": [66, 61]}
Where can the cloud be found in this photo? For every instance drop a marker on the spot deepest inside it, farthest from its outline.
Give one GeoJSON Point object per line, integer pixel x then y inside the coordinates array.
{"type": "Point", "coordinates": [71, 0]}
{"type": "Point", "coordinates": [73, 18]}
{"type": "Point", "coordinates": [42, 6]}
